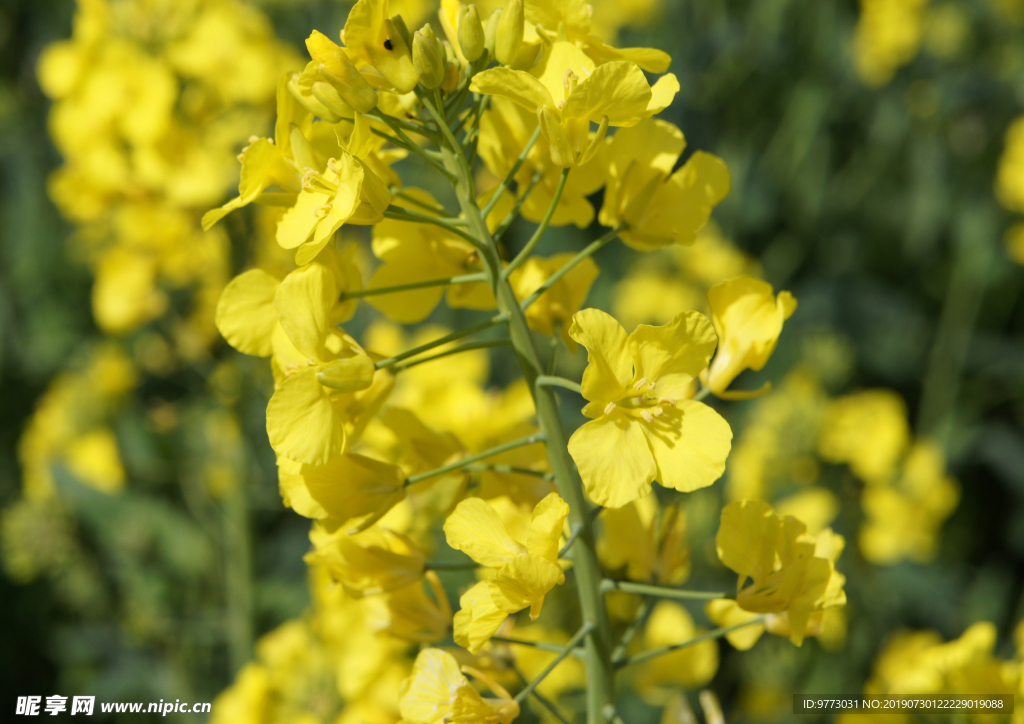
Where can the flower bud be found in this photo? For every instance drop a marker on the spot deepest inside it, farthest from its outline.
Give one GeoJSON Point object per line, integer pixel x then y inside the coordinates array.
{"type": "Point", "coordinates": [399, 26]}
{"type": "Point", "coordinates": [471, 33]}
{"type": "Point", "coordinates": [428, 59]}
{"type": "Point", "coordinates": [331, 100]}
{"type": "Point", "coordinates": [491, 30]}
{"type": "Point", "coordinates": [351, 86]}
{"type": "Point", "coordinates": [509, 38]}
{"type": "Point", "coordinates": [395, 59]}
{"type": "Point", "coordinates": [348, 375]}
{"type": "Point", "coordinates": [451, 77]}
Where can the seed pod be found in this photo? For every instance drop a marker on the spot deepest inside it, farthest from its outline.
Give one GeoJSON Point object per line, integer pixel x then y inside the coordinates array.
{"type": "Point", "coordinates": [471, 33]}
{"type": "Point", "coordinates": [509, 38]}
{"type": "Point", "coordinates": [428, 59]}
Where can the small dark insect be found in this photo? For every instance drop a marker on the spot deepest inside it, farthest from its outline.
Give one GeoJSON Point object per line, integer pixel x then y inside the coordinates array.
{"type": "Point", "coordinates": [387, 44]}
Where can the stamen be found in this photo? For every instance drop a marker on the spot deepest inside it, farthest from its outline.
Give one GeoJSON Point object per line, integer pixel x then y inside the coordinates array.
{"type": "Point", "coordinates": [666, 401]}
{"type": "Point", "coordinates": [609, 407]}
{"type": "Point", "coordinates": [640, 383]}
{"type": "Point", "coordinates": [646, 414]}
{"type": "Point", "coordinates": [291, 366]}
{"type": "Point", "coordinates": [657, 411]}
{"type": "Point", "coordinates": [253, 139]}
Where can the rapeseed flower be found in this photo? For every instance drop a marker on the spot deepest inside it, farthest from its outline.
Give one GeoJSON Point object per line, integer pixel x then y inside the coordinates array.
{"type": "Point", "coordinates": [791, 574]}
{"type": "Point", "coordinates": [748, 318]}
{"type": "Point", "coordinates": [437, 692]}
{"type": "Point", "coordinates": [658, 206]}
{"type": "Point", "coordinates": [523, 572]}
{"type": "Point", "coordinates": [643, 425]}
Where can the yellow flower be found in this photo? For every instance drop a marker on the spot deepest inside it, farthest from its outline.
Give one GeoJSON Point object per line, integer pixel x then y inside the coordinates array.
{"type": "Point", "coordinates": [436, 692]}
{"type": "Point", "coordinates": [372, 40]}
{"type": "Point", "coordinates": [409, 614]}
{"type": "Point", "coordinates": [867, 430]}
{"type": "Point", "coordinates": [643, 426]}
{"type": "Point", "coordinates": [748, 318]}
{"type": "Point", "coordinates": [792, 574]}
{"type": "Point", "coordinates": [551, 312]}
{"type": "Point", "coordinates": [414, 252]}
{"type": "Point", "coordinates": [523, 573]}
{"type": "Point", "coordinates": [94, 459]}
{"type": "Point", "coordinates": [350, 490]}
{"type": "Point", "coordinates": [505, 129]}
{"type": "Point", "coordinates": [658, 206]}
{"type": "Point", "coordinates": [568, 92]}
{"type": "Point", "coordinates": [305, 419]}
{"type": "Point", "coordinates": [650, 543]}
{"type": "Point", "coordinates": [903, 520]}
{"type": "Point", "coordinates": [377, 560]}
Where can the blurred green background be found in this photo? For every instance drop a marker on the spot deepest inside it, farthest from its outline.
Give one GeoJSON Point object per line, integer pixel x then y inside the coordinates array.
{"type": "Point", "coordinates": [874, 205]}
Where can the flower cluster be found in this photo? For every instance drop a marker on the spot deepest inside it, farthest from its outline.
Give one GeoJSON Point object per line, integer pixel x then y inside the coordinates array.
{"type": "Point", "coordinates": [379, 439]}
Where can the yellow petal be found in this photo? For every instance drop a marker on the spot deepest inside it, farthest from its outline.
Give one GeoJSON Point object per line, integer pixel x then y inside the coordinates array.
{"type": "Point", "coordinates": [747, 536]}
{"type": "Point", "coordinates": [725, 612]}
{"type": "Point", "coordinates": [559, 60]}
{"type": "Point", "coordinates": [609, 367]}
{"type": "Point", "coordinates": [426, 696]}
{"type": "Point", "coordinates": [304, 301]}
{"type": "Point", "coordinates": [614, 459]}
{"type": "Point", "coordinates": [475, 528]}
{"type": "Point", "coordinates": [350, 486]}
{"type": "Point", "coordinates": [478, 618]}
{"type": "Point", "coordinates": [301, 421]}
{"type": "Point", "coordinates": [617, 90]}
{"type": "Point", "coordinates": [546, 527]}
{"type": "Point", "coordinates": [574, 15]}
{"type": "Point", "coordinates": [681, 206]}
{"type": "Point", "coordinates": [663, 92]}
{"type": "Point", "coordinates": [651, 60]}
{"type": "Point", "coordinates": [299, 222]}
{"type": "Point", "coordinates": [523, 581]}
{"type": "Point", "coordinates": [516, 85]}
{"type": "Point", "coordinates": [748, 318]}
{"type": "Point", "coordinates": [690, 443]}
{"type": "Point", "coordinates": [263, 165]}
{"type": "Point", "coordinates": [674, 354]}
{"type": "Point", "coordinates": [245, 312]}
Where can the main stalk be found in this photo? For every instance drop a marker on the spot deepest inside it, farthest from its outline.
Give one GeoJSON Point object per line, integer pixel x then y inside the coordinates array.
{"type": "Point", "coordinates": [600, 672]}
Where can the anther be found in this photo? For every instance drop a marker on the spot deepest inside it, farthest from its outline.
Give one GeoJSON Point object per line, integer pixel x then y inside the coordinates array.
{"type": "Point", "coordinates": [609, 407]}
{"type": "Point", "coordinates": [646, 414]}
{"type": "Point", "coordinates": [657, 411]}
{"type": "Point", "coordinates": [666, 401]}
{"type": "Point", "coordinates": [639, 384]}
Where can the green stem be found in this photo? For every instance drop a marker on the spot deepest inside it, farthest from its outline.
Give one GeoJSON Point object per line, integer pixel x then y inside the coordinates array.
{"type": "Point", "coordinates": [645, 589]}
{"type": "Point", "coordinates": [498, 450]}
{"type": "Point", "coordinates": [509, 470]}
{"type": "Point", "coordinates": [541, 645]}
{"type": "Point", "coordinates": [524, 254]}
{"type": "Point", "coordinates": [238, 575]}
{"type": "Point", "coordinates": [488, 344]}
{"type": "Point", "coordinates": [512, 173]}
{"type": "Point", "coordinates": [713, 634]}
{"type": "Point", "coordinates": [543, 700]}
{"type": "Point", "coordinates": [572, 539]}
{"type": "Point", "coordinates": [639, 620]}
{"type": "Point", "coordinates": [395, 191]}
{"type": "Point", "coordinates": [415, 217]}
{"type": "Point", "coordinates": [376, 291]}
{"type": "Point", "coordinates": [522, 197]}
{"type": "Point", "coordinates": [589, 250]}
{"type": "Point", "coordinates": [551, 381]}
{"type": "Point", "coordinates": [450, 566]}
{"type": "Point", "coordinates": [569, 648]}
{"type": "Point", "coordinates": [411, 145]}
{"type": "Point", "coordinates": [600, 673]}
{"type": "Point", "coordinates": [492, 322]}
{"type": "Point", "coordinates": [705, 390]}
